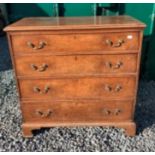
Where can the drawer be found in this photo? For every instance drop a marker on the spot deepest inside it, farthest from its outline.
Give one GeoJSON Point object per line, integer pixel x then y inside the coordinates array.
{"type": "Point", "coordinates": [75, 65]}
{"type": "Point", "coordinates": [114, 41]}
{"type": "Point", "coordinates": [77, 111]}
{"type": "Point", "coordinates": [84, 88]}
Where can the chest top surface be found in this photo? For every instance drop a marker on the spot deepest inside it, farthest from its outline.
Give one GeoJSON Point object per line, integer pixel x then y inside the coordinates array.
{"type": "Point", "coordinates": [92, 22]}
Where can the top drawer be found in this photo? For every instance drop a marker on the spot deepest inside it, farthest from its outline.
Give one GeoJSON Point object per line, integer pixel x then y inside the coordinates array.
{"type": "Point", "coordinates": [88, 43]}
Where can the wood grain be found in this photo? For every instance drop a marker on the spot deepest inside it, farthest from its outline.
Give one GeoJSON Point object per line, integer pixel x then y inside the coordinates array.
{"type": "Point", "coordinates": [76, 71]}
{"type": "Point", "coordinates": [84, 88]}
{"type": "Point", "coordinates": [77, 111]}
{"type": "Point", "coordinates": [58, 23]}
{"type": "Point", "coordinates": [47, 66]}
{"type": "Point", "coordinates": [75, 42]}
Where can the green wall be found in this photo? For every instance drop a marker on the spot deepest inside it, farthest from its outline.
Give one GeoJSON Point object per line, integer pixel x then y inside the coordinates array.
{"type": "Point", "coordinates": [145, 13]}
{"type": "Point", "coordinates": [142, 12]}
{"type": "Point", "coordinates": [78, 9]}
{"type": "Point", "coordinates": [17, 10]}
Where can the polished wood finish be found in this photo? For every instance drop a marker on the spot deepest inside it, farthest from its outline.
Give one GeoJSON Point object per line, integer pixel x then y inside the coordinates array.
{"type": "Point", "coordinates": [47, 66]}
{"type": "Point", "coordinates": [76, 71]}
{"type": "Point", "coordinates": [77, 111]}
{"type": "Point", "coordinates": [85, 88]}
{"type": "Point", "coordinates": [67, 42]}
{"type": "Point", "coordinates": [59, 23]}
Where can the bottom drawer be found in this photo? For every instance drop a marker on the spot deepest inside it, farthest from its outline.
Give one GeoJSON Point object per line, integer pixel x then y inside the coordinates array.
{"type": "Point", "coordinates": [77, 111]}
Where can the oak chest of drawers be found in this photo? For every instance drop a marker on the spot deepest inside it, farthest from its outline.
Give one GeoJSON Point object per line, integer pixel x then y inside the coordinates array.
{"type": "Point", "coordinates": [76, 71]}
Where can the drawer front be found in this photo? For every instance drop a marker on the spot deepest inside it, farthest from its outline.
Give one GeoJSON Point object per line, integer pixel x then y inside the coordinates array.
{"type": "Point", "coordinates": [75, 42]}
{"type": "Point", "coordinates": [75, 65]}
{"type": "Point", "coordinates": [84, 88]}
{"type": "Point", "coordinates": [77, 111]}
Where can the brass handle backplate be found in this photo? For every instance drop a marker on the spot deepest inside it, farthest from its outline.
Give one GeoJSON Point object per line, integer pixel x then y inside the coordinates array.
{"type": "Point", "coordinates": [36, 47]}
{"type": "Point", "coordinates": [108, 112]}
{"type": "Point", "coordinates": [44, 114]}
{"type": "Point", "coordinates": [112, 44]}
{"type": "Point", "coordinates": [40, 68]}
{"type": "Point", "coordinates": [38, 90]}
{"type": "Point", "coordinates": [114, 66]}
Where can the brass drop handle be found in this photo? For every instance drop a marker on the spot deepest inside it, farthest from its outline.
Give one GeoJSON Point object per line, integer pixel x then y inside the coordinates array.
{"type": "Point", "coordinates": [108, 112]}
{"type": "Point", "coordinates": [109, 88]}
{"type": "Point", "coordinates": [114, 66]}
{"type": "Point", "coordinates": [41, 68]}
{"type": "Point", "coordinates": [112, 44]}
{"type": "Point", "coordinates": [36, 47]}
{"type": "Point", "coordinates": [38, 90]}
{"type": "Point", "coordinates": [44, 114]}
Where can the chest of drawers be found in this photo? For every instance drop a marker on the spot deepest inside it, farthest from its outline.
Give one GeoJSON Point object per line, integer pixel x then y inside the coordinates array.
{"type": "Point", "coordinates": [76, 71]}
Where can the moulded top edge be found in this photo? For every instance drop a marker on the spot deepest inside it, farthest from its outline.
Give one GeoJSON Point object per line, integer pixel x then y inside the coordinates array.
{"type": "Point", "coordinates": [92, 22]}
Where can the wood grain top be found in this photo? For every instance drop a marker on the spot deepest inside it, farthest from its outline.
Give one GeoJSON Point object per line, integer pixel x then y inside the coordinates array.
{"type": "Point", "coordinates": [53, 23]}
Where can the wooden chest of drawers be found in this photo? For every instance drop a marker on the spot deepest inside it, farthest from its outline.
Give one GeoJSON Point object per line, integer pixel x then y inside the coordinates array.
{"type": "Point", "coordinates": [76, 71]}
